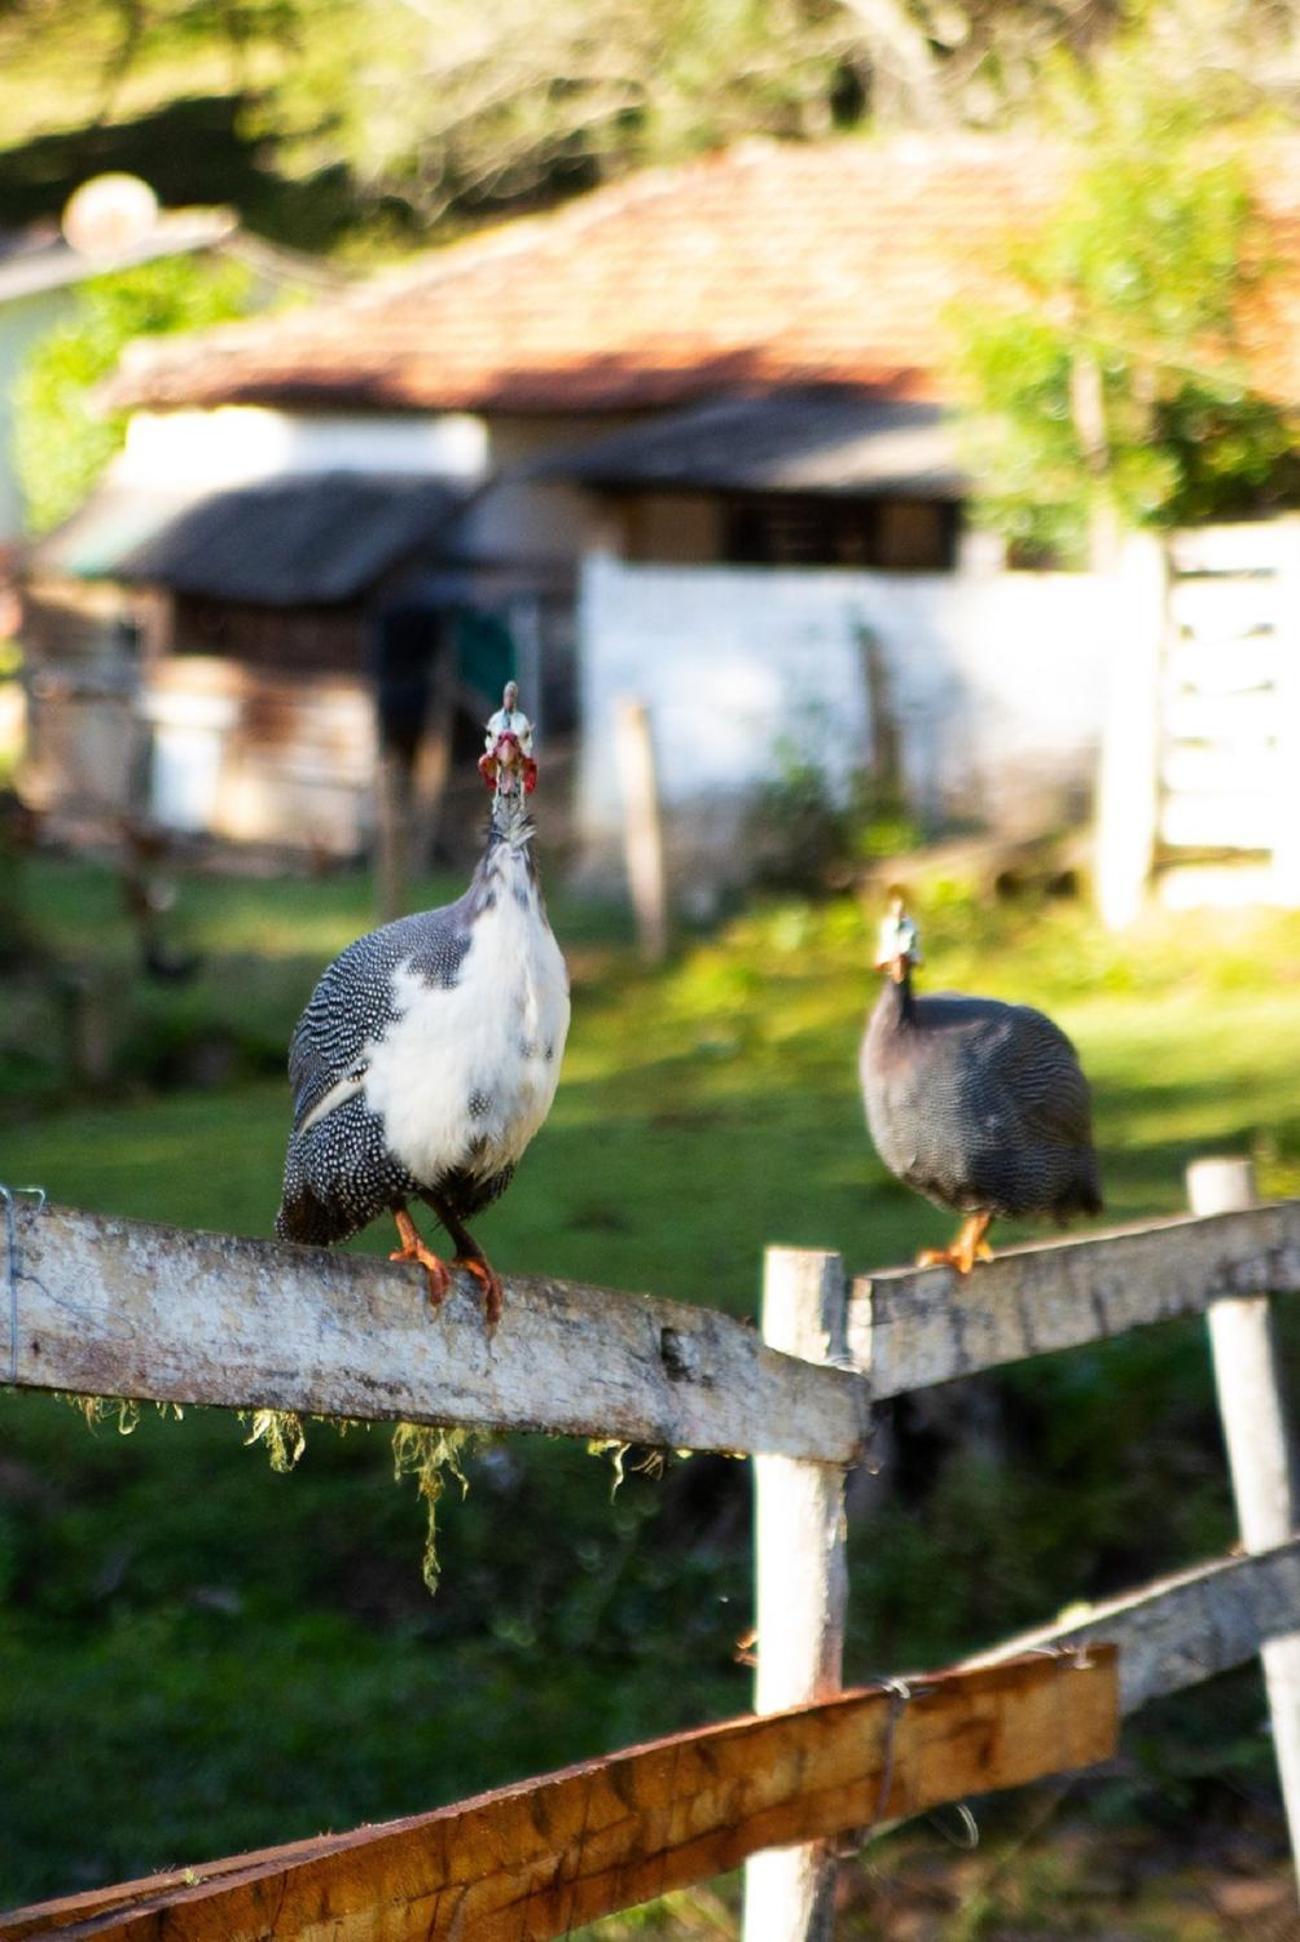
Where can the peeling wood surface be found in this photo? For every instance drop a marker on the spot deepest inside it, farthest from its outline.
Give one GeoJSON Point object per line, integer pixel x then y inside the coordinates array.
{"type": "Point", "coordinates": [911, 1328]}
{"type": "Point", "coordinates": [801, 1586]}
{"type": "Point", "coordinates": [1182, 1629]}
{"type": "Point", "coordinates": [533, 1861]}
{"type": "Point", "coordinates": [120, 1308]}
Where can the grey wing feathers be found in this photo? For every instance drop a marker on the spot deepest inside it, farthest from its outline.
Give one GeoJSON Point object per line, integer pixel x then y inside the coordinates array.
{"type": "Point", "coordinates": [1052, 1096]}
{"type": "Point", "coordinates": [354, 1002]}
{"type": "Point", "coordinates": [331, 1036]}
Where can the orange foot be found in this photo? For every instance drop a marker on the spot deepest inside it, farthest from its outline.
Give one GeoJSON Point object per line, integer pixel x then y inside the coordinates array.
{"type": "Point", "coordinates": [413, 1248]}
{"type": "Point", "coordinates": [968, 1248]}
{"type": "Point", "coordinates": [494, 1294]}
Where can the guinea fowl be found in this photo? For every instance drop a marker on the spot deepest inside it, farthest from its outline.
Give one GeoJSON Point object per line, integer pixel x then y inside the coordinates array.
{"type": "Point", "coordinates": [981, 1106]}
{"type": "Point", "coordinates": [429, 1054]}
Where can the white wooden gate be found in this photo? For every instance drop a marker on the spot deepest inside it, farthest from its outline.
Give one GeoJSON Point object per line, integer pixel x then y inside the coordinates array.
{"type": "Point", "coordinates": [1200, 788]}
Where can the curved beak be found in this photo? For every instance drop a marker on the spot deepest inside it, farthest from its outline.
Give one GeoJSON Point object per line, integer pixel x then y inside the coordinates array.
{"type": "Point", "coordinates": [505, 767]}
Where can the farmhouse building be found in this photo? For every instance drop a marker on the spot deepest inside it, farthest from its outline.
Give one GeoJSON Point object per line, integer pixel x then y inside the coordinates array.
{"type": "Point", "coordinates": [687, 436]}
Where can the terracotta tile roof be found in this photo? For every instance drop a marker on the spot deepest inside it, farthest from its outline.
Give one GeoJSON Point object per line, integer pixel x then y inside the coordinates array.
{"type": "Point", "coordinates": [757, 268]}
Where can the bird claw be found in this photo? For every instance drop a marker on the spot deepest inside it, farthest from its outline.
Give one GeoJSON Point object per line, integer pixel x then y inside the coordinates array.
{"type": "Point", "coordinates": [968, 1248]}
{"type": "Point", "coordinates": [437, 1273]}
{"type": "Point", "coordinates": [493, 1290]}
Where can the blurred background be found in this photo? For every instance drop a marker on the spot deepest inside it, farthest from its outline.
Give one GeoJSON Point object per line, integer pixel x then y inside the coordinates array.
{"type": "Point", "coordinates": [868, 431]}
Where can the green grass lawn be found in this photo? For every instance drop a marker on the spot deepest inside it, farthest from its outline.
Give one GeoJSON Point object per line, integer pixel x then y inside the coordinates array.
{"type": "Point", "coordinates": [197, 1654]}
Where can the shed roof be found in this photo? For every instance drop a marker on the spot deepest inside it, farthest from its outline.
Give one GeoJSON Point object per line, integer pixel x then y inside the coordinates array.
{"type": "Point", "coordinates": [834, 443]}
{"type": "Point", "coordinates": [298, 540]}
{"type": "Point", "coordinates": [763, 266]}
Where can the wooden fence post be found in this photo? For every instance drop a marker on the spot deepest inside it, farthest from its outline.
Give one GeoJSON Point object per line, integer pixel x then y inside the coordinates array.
{"type": "Point", "coordinates": [643, 836]}
{"type": "Point", "coordinates": [1251, 1404]}
{"type": "Point", "coordinates": [801, 1586]}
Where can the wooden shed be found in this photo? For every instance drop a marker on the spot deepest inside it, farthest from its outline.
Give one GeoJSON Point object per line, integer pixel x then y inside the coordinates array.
{"type": "Point", "coordinates": [214, 662]}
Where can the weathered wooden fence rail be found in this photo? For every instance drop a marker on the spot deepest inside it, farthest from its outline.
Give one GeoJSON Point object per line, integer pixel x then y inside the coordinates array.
{"type": "Point", "coordinates": [122, 1308]}
{"type": "Point", "coordinates": [536, 1860]}
{"type": "Point", "coordinates": [119, 1308]}
{"type": "Point", "coordinates": [1182, 1629]}
{"type": "Point", "coordinates": [909, 1328]}
{"type": "Point", "coordinates": [125, 1308]}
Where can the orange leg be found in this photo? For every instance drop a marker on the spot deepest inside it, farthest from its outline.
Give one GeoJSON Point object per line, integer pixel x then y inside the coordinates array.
{"type": "Point", "coordinates": [968, 1248]}
{"type": "Point", "coordinates": [414, 1249]}
{"type": "Point", "coordinates": [494, 1295]}
{"type": "Point", "coordinates": [470, 1256]}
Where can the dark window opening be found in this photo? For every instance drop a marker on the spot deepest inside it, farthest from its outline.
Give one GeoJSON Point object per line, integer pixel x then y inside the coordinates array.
{"type": "Point", "coordinates": [889, 535]}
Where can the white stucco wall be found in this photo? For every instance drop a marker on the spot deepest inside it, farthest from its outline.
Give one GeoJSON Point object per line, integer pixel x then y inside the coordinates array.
{"type": "Point", "coordinates": [997, 681]}
{"type": "Point", "coordinates": [235, 444]}
{"type": "Point", "coordinates": [518, 518]}
{"type": "Point", "coordinates": [535, 519]}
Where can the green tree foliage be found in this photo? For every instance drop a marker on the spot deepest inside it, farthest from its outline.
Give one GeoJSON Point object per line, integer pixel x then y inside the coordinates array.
{"type": "Point", "coordinates": [450, 105]}
{"type": "Point", "coordinates": [438, 106]}
{"type": "Point", "coordinates": [63, 439]}
{"type": "Point", "coordinates": [1110, 388]}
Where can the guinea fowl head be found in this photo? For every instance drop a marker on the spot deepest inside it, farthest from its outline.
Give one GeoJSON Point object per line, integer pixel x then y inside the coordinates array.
{"type": "Point", "coordinates": [507, 765]}
{"type": "Point", "coordinates": [898, 946]}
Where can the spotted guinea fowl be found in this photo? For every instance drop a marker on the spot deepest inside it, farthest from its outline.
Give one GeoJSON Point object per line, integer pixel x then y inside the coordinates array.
{"type": "Point", "coordinates": [981, 1106]}
{"type": "Point", "coordinates": [429, 1053]}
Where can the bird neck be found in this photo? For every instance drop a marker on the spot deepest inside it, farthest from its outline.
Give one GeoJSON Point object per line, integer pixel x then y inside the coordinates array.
{"type": "Point", "coordinates": [507, 863]}
{"type": "Point", "coordinates": [896, 1002]}
{"type": "Point", "coordinates": [510, 822]}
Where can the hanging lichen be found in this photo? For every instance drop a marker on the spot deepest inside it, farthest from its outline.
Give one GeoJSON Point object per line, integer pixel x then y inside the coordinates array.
{"type": "Point", "coordinates": [282, 1432]}
{"type": "Point", "coordinates": [616, 1451]}
{"type": "Point", "coordinates": [420, 1450]}
{"type": "Point", "coordinates": [104, 1409]}
{"type": "Point", "coordinates": [426, 1452]}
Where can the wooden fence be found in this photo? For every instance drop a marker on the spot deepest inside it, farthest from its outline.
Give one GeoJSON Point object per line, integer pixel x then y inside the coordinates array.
{"type": "Point", "coordinates": [119, 1308]}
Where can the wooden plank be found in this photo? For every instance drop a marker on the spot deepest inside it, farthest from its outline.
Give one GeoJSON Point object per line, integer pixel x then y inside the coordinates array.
{"type": "Point", "coordinates": [1211, 670]}
{"type": "Point", "coordinates": [1224, 609]}
{"type": "Point", "coordinates": [1183, 1629]}
{"type": "Point", "coordinates": [1252, 1407]}
{"type": "Point", "coordinates": [1231, 771]}
{"type": "Point", "coordinates": [536, 1860]}
{"type": "Point", "coordinates": [1220, 822]}
{"type": "Point", "coordinates": [1286, 854]}
{"type": "Point", "coordinates": [914, 1327]}
{"type": "Point", "coordinates": [119, 1308]}
{"type": "Point", "coordinates": [1249, 719]}
{"type": "Point", "coordinates": [1253, 547]}
{"type": "Point", "coordinates": [801, 1587]}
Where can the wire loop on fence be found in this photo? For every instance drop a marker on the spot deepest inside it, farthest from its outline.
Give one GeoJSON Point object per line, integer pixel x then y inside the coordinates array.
{"type": "Point", "coordinates": [1071, 1654]}
{"type": "Point", "coordinates": [13, 1266]}
{"type": "Point", "coordinates": [902, 1693]}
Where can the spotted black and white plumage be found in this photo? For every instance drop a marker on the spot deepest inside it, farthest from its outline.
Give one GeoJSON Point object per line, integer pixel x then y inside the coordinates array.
{"type": "Point", "coordinates": [428, 1055]}
{"type": "Point", "coordinates": [981, 1106]}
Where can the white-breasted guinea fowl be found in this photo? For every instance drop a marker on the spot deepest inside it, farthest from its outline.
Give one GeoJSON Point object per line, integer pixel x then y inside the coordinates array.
{"type": "Point", "coordinates": [980, 1106]}
{"type": "Point", "coordinates": [429, 1053]}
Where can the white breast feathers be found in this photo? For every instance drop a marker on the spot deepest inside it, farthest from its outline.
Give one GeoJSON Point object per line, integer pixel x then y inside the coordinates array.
{"type": "Point", "coordinates": [465, 1076]}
